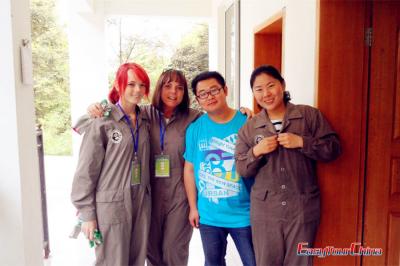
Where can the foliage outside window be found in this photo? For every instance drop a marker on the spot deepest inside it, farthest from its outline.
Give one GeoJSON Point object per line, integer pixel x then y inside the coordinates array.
{"type": "Point", "coordinates": [51, 69]}
{"type": "Point", "coordinates": [51, 78]}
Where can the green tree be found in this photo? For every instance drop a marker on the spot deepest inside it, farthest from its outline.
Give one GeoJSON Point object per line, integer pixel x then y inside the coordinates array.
{"type": "Point", "coordinates": [50, 72]}
{"type": "Point", "coordinates": [149, 53]}
{"type": "Point", "coordinates": [192, 56]}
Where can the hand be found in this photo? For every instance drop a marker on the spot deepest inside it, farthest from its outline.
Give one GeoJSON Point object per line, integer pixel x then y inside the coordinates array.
{"type": "Point", "coordinates": [194, 218]}
{"type": "Point", "coordinates": [265, 146]}
{"type": "Point", "coordinates": [95, 110]}
{"type": "Point", "coordinates": [246, 111]}
{"type": "Point", "coordinates": [88, 229]}
{"type": "Point", "coordinates": [290, 140]}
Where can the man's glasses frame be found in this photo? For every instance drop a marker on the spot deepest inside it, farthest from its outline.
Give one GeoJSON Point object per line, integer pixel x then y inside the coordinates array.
{"type": "Point", "coordinates": [204, 94]}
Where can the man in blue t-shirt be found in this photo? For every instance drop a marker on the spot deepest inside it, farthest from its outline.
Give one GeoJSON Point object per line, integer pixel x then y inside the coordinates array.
{"type": "Point", "coordinates": [219, 198]}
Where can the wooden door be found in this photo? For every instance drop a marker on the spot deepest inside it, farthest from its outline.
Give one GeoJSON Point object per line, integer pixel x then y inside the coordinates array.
{"type": "Point", "coordinates": [268, 45]}
{"type": "Point", "coordinates": [342, 98]}
{"type": "Point", "coordinates": [382, 194]}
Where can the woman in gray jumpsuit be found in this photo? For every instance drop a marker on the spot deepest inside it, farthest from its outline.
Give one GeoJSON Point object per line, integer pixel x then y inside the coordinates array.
{"type": "Point", "coordinates": [170, 115]}
{"type": "Point", "coordinates": [280, 147]}
{"type": "Point", "coordinates": [111, 187]}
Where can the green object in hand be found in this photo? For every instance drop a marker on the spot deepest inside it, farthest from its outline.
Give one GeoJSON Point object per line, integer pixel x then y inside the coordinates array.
{"type": "Point", "coordinates": [98, 239]}
{"type": "Point", "coordinates": [106, 107]}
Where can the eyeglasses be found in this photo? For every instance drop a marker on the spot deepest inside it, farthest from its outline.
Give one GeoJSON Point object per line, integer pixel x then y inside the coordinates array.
{"type": "Point", "coordinates": [204, 94]}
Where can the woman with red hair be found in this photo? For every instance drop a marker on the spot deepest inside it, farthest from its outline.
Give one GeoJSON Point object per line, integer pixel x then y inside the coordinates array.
{"type": "Point", "coordinates": [169, 115]}
{"type": "Point", "coordinates": [111, 187]}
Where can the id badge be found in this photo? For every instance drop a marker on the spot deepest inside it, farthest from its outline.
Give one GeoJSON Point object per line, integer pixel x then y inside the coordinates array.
{"type": "Point", "coordinates": [162, 165]}
{"type": "Point", "coordinates": [135, 175]}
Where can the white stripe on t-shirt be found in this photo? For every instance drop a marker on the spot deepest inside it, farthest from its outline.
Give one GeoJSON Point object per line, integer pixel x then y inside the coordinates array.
{"type": "Point", "coordinates": [277, 124]}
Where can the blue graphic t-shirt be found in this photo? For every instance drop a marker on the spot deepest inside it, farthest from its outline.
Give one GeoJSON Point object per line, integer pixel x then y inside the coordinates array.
{"type": "Point", "coordinates": [223, 198]}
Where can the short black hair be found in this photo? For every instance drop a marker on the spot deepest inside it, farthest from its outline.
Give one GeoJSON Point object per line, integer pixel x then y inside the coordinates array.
{"type": "Point", "coordinates": [207, 75]}
{"type": "Point", "coordinates": [273, 72]}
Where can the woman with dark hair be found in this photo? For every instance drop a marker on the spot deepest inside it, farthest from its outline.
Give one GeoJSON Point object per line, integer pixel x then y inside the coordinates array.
{"type": "Point", "coordinates": [280, 147]}
{"type": "Point", "coordinates": [111, 187]}
{"type": "Point", "coordinates": [170, 115]}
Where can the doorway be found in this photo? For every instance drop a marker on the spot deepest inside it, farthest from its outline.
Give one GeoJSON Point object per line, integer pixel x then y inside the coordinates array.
{"type": "Point", "coordinates": [268, 45]}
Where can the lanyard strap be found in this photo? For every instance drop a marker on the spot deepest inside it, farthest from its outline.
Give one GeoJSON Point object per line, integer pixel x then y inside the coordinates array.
{"type": "Point", "coordinates": [162, 131]}
{"type": "Point", "coordinates": [135, 137]}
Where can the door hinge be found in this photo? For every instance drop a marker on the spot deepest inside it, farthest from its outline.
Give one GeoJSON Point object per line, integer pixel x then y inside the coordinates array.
{"type": "Point", "coordinates": [368, 37]}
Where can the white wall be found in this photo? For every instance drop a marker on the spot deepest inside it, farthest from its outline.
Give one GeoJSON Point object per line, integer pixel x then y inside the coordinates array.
{"type": "Point", "coordinates": [20, 211]}
{"type": "Point", "coordinates": [299, 39]}
{"type": "Point", "coordinates": [187, 8]}
{"type": "Point", "coordinates": [300, 44]}
{"type": "Point", "coordinates": [87, 60]}
{"type": "Point", "coordinates": [214, 38]}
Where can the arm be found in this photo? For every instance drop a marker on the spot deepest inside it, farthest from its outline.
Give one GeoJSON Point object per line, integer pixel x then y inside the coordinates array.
{"type": "Point", "coordinates": [188, 175]}
{"type": "Point", "coordinates": [82, 124]}
{"type": "Point", "coordinates": [94, 110]}
{"type": "Point", "coordinates": [247, 112]}
{"type": "Point", "coordinates": [324, 143]}
{"type": "Point", "coordinates": [191, 192]}
{"type": "Point", "coordinates": [86, 177]}
{"type": "Point", "coordinates": [249, 158]}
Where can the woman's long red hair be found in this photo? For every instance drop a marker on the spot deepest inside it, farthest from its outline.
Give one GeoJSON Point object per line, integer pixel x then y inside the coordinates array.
{"type": "Point", "coordinates": [121, 80]}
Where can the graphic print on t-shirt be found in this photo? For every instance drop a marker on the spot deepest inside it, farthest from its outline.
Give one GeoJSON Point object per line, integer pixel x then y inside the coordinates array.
{"type": "Point", "coordinates": [217, 174]}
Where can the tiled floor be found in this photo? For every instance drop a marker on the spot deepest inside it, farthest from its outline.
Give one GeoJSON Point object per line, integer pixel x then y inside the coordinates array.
{"type": "Point", "coordinates": [61, 217]}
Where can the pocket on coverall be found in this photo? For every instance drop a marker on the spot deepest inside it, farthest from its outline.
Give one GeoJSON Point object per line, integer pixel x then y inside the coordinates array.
{"type": "Point", "coordinates": [110, 207]}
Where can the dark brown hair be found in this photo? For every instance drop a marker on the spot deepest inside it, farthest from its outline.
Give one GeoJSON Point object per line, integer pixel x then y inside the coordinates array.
{"type": "Point", "coordinates": [168, 76]}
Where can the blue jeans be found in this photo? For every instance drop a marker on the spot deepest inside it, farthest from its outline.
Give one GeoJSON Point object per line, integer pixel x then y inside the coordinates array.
{"type": "Point", "coordinates": [214, 241]}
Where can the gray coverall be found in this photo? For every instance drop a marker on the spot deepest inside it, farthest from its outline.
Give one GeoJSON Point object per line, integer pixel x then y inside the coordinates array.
{"type": "Point", "coordinates": [285, 198]}
{"type": "Point", "coordinates": [102, 188]}
{"type": "Point", "coordinates": [170, 231]}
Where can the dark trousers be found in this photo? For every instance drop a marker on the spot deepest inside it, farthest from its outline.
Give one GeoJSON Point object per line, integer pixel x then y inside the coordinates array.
{"type": "Point", "coordinates": [214, 241]}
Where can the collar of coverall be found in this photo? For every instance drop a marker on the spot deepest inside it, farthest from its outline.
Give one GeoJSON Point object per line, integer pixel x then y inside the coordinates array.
{"type": "Point", "coordinates": [292, 112]}
{"type": "Point", "coordinates": [117, 114]}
